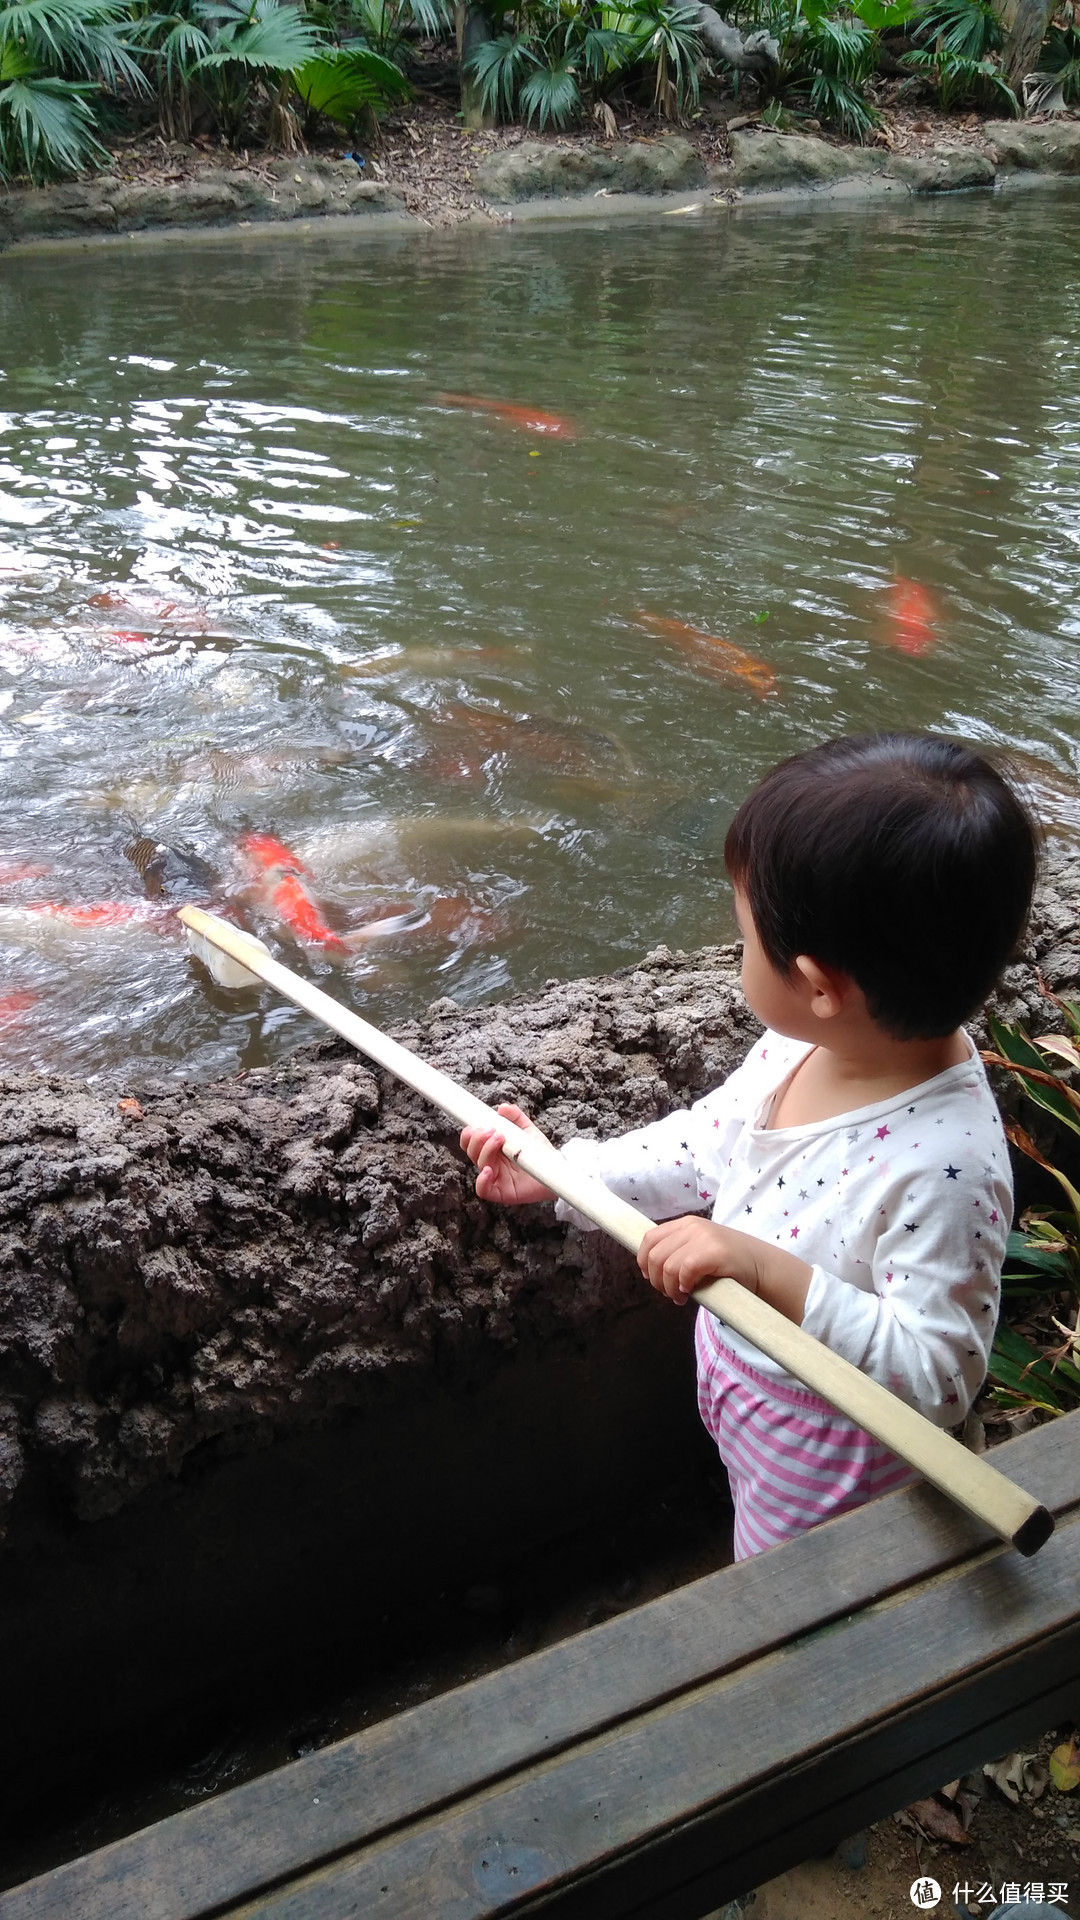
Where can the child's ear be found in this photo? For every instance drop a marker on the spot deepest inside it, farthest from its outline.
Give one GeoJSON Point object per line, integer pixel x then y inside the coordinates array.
{"type": "Point", "coordinates": [827, 988]}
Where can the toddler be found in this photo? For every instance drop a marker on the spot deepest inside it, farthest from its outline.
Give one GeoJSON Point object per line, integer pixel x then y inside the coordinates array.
{"type": "Point", "coordinates": [853, 1171]}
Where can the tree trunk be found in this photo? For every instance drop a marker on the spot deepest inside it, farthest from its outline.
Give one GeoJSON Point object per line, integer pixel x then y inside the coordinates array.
{"type": "Point", "coordinates": [473, 29]}
{"type": "Point", "coordinates": [1026, 23]}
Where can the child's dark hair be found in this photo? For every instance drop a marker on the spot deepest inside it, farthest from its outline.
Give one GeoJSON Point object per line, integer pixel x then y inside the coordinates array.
{"type": "Point", "coordinates": [904, 860]}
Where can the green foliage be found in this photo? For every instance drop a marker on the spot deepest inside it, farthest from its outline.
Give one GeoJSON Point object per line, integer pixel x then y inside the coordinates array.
{"type": "Point", "coordinates": [552, 94]}
{"type": "Point", "coordinates": [344, 83]}
{"type": "Point", "coordinates": [1060, 59]}
{"type": "Point", "coordinates": [56, 57]}
{"type": "Point", "coordinates": [1043, 1257]}
{"type": "Point", "coordinates": [498, 67]}
{"type": "Point", "coordinates": [827, 54]}
{"type": "Point", "coordinates": [46, 125]}
{"type": "Point", "coordinates": [970, 29]}
{"type": "Point", "coordinates": [559, 59]}
{"type": "Point", "coordinates": [666, 38]}
{"type": "Point", "coordinates": [73, 38]}
{"type": "Point", "coordinates": [386, 26]}
{"type": "Point", "coordinates": [957, 40]}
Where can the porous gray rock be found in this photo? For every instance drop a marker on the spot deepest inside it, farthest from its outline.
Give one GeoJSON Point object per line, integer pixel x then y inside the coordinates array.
{"type": "Point", "coordinates": [765, 161]}
{"type": "Point", "coordinates": [943, 170]}
{"type": "Point", "coordinates": [537, 170]}
{"type": "Point", "coordinates": [1050, 147]}
{"type": "Point", "coordinates": [286, 189]}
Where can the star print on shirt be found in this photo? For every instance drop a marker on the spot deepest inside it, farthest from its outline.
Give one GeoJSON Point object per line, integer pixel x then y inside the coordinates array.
{"type": "Point", "coordinates": [881, 1133]}
{"type": "Point", "coordinates": [950, 1172]}
{"type": "Point", "coordinates": [780, 1182]}
{"type": "Point", "coordinates": [794, 1233]}
{"type": "Point", "coordinates": [911, 1226]}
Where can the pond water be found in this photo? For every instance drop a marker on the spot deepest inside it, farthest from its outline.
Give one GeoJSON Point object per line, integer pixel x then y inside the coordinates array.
{"type": "Point", "coordinates": [289, 629]}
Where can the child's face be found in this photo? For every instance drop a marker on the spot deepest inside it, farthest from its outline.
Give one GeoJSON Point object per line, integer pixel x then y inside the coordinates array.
{"type": "Point", "coordinates": [779, 1000]}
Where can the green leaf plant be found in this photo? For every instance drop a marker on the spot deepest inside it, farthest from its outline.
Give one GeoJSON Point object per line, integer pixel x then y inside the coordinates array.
{"type": "Point", "coordinates": [57, 60]}
{"type": "Point", "coordinates": [1043, 1255]}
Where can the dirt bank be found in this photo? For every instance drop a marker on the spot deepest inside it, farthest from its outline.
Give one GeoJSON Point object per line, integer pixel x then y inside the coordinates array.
{"type": "Point", "coordinates": [229, 1263]}
{"type": "Point", "coordinates": [423, 166]}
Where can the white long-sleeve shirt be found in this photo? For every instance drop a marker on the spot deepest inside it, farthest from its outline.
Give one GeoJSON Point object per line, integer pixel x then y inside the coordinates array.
{"type": "Point", "coordinates": [901, 1208]}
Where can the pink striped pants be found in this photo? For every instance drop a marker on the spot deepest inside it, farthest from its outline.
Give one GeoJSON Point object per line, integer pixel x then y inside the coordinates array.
{"type": "Point", "coordinates": [792, 1460]}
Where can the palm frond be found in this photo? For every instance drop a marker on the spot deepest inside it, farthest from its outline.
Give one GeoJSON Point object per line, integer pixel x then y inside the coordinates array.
{"type": "Point", "coordinates": [76, 36]}
{"type": "Point", "coordinates": [46, 126]}
{"type": "Point", "coordinates": [340, 83]}
{"type": "Point", "coordinates": [604, 50]}
{"type": "Point", "coordinates": [274, 38]}
{"type": "Point", "coordinates": [551, 94]}
{"type": "Point", "coordinates": [432, 18]}
{"type": "Point", "coordinates": [841, 101]}
{"type": "Point", "coordinates": [498, 67]}
{"type": "Point", "coordinates": [970, 29]}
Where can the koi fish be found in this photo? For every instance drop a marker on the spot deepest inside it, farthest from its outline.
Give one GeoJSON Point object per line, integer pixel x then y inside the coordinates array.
{"type": "Point", "coordinates": [531, 419]}
{"type": "Point", "coordinates": [14, 1005]}
{"type": "Point", "coordinates": [720, 659]}
{"type": "Point", "coordinates": [166, 870]}
{"type": "Point", "coordinates": [422, 660]}
{"type": "Point", "coordinates": [99, 913]}
{"type": "Point", "coordinates": [37, 919]}
{"type": "Point", "coordinates": [913, 617]}
{"type": "Point", "coordinates": [282, 879]}
{"type": "Point", "coordinates": [11, 872]}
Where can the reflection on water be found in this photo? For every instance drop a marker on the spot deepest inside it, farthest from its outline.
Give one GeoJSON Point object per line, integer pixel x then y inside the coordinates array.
{"type": "Point", "coordinates": [493, 678]}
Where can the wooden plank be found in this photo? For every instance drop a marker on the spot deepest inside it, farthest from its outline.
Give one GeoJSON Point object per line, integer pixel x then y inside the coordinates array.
{"type": "Point", "coordinates": [956, 1647]}
{"type": "Point", "coordinates": [702, 1864]}
{"type": "Point", "coordinates": [334, 1801]}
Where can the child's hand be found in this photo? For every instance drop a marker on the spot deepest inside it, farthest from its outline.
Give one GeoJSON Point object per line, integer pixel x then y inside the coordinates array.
{"type": "Point", "coordinates": [680, 1255]}
{"type": "Point", "coordinates": [499, 1178]}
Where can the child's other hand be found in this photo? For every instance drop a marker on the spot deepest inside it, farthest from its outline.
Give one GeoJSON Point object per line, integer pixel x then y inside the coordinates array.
{"type": "Point", "coordinates": [499, 1178]}
{"type": "Point", "coordinates": [682, 1254]}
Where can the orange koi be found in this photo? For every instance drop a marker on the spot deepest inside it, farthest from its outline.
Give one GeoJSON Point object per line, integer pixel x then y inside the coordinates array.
{"type": "Point", "coordinates": [11, 873]}
{"type": "Point", "coordinates": [128, 639]}
{"type": "Point", "coordinates": [720, 659]}
{"type": "Point", "coordinates": [285, 891]}
{"type": "Point", "coordinates": [267, 852]}
{"type": "Point", "coordinates": [913, 616]}
{"type": "Point", "coordinates": [531, 419]}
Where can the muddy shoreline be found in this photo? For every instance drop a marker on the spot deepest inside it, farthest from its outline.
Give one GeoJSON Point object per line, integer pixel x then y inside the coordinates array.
{"type": "Point", "coordinates": [275, 1387]}
{"type": "Point", "coordinates": [228, 1263]}
{"type": "Point", "coordinates": [480, 179]}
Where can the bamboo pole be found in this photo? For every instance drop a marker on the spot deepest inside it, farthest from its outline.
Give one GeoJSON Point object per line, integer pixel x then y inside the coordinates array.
{"type": "Point", "coordinates": [965, 1477]}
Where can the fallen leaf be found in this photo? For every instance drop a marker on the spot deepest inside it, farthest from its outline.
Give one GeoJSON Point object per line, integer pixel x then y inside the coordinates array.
{"type": "Point", "coordinates": [938, 1822]}
{"type": "Point", "coordinates": [1020, 1773]}
{"type": "Point", "coordinates": [1065, 1765]}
